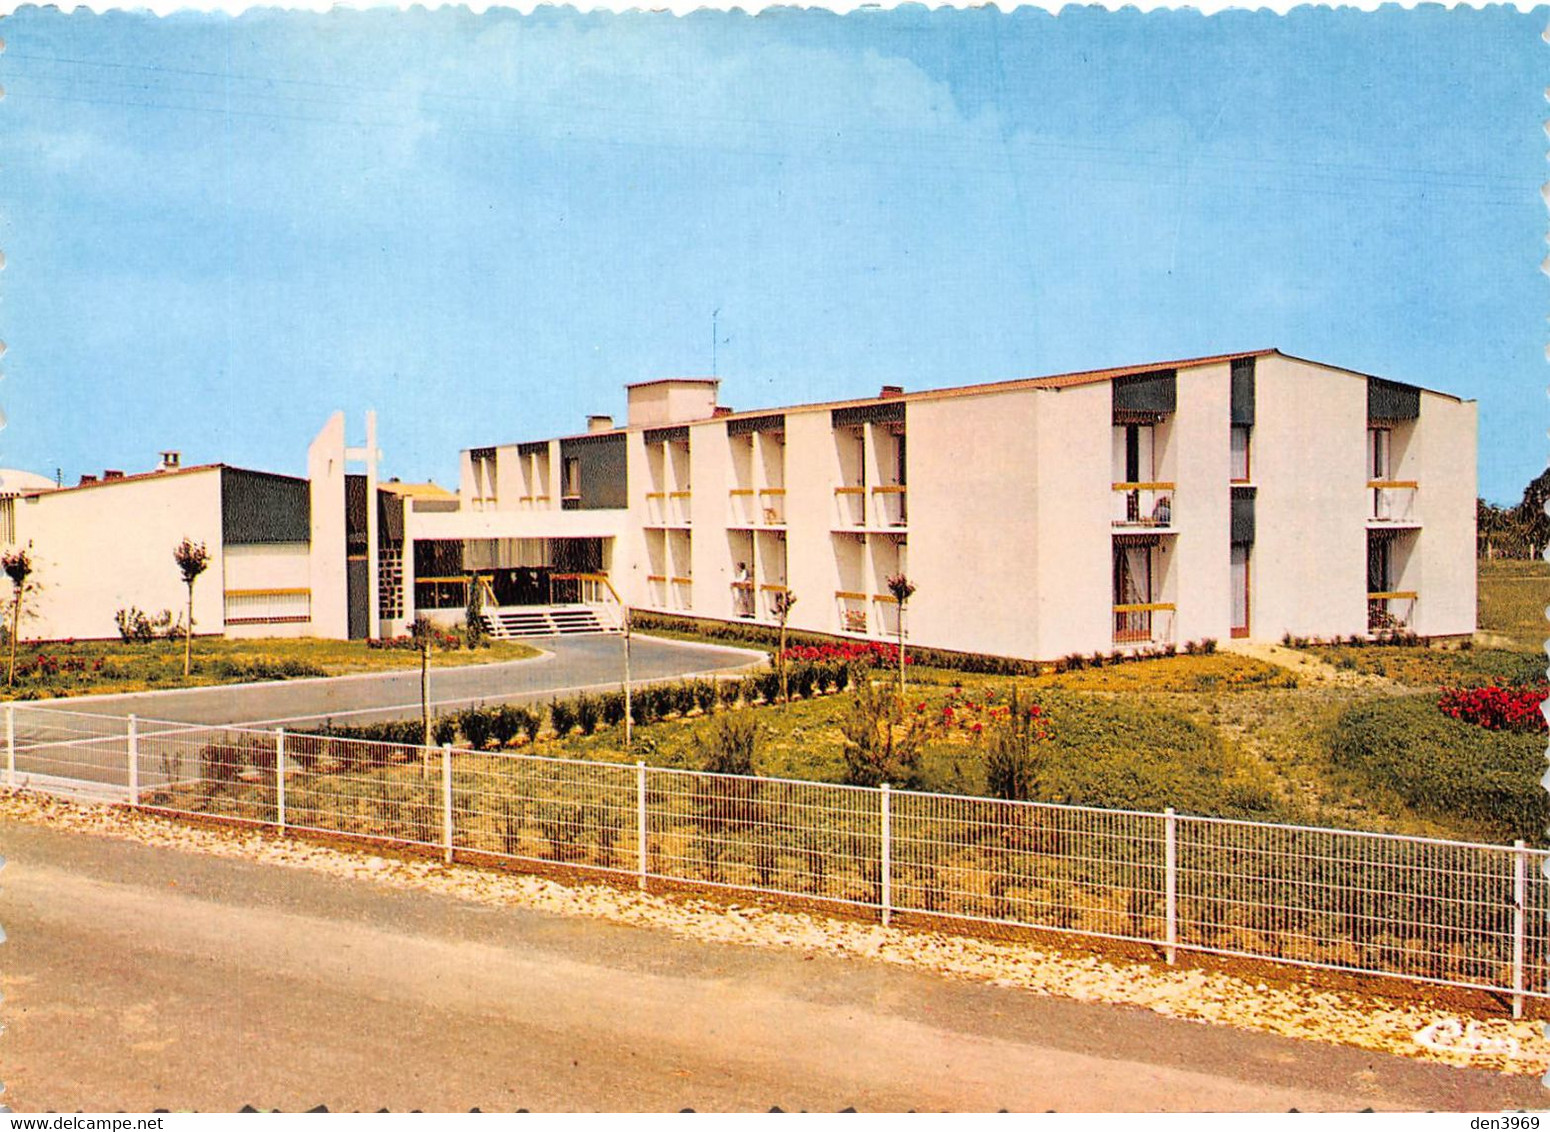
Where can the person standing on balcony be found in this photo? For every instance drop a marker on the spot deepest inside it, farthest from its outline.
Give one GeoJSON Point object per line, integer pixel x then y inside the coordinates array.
{"type": "Point", "coordinates": [744, 587]}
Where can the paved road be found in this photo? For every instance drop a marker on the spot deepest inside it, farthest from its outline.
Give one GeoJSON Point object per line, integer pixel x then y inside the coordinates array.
{"type": "Point", "coordinates": [571, 662]}
{"type": "Point", "coordinates": [138, 977]}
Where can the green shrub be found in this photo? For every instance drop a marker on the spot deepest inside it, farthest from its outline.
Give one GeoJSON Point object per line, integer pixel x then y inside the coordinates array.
{"type": "Point", "coordinates": [505, 724]}
{"type": "Point", "coordinates": [611, 708]}
{"type": "Point", "coordinates": [475, 724]}
{"type": "Point", "coordinates": [562, 717]}
{"type": "Point", "coordinates": [801, 679]}
{"type": "Point", "coordinates": [705, 696]}
{"type": "Point", "coordinates": [587, 713]}
{"type": "Point", "coordinates": [1445, 767]}
{"type": "Point", "coordinates": [729, 746]}
{"type": "Point", "coordinates": [443, 731]}
{"type": "Point", "coordinates": [880, 744]}
{"type": "Point", "coordinates": [1012, 758]}
{"type": "Point", "coordinates": [769, 687]}
{"type": "Point", "coordinates": [531, 722]}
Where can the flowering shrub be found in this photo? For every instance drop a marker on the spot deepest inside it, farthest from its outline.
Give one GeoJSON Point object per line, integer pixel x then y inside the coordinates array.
{"type": "Point", "coordinates": [873, 653]}
{"type": "Point", "coordinates": [441, 638]}
{"type": "Point", "coordinates": [962, 712]}
{"type": "Point", "coordinates": [1496, 708]}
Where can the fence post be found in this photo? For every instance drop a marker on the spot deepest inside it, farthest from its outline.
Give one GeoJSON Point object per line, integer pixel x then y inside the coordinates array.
{"type": "Point", "coordinates": [885, 865]}
{"type": "Point", "coordinates": [640, 821]}
{"type": "Point", "coordinates": [10, 745]}
{"type": "Point", "coordinates": [1519, 922]}
{"type": "Point", "coordinates": [134, 761]}
{"type": "Point", "coordinates": [1171, 880]}
{"type": "Point", "coordinates": [446, 800]}
{"type": "Point", "coordinates": [279, 776]}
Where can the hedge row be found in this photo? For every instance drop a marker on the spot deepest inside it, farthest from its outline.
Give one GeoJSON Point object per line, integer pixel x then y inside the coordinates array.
{"type": "Point", "coordinates": [483, 728]}
{"type": "Point", "coordinates": [769, 636]}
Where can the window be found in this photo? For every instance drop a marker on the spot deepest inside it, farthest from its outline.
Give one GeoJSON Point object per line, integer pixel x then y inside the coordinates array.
{"type": "Point", "coordinates": [1378, 453]}
{"type": "Point", "coordinates": [570, 481]}
{"type": "Point", "coordinates": [1240, 453]}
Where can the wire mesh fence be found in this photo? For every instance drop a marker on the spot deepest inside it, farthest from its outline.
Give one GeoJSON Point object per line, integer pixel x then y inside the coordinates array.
{"type": "Point", "coordinates": [1445, 912]}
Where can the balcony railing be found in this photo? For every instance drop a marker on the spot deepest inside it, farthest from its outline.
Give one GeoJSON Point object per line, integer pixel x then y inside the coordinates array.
{"type": "Point", "coordinates": [744, 502]}
{"type": "Point", "coordinates": [683, 592]}
{"type": "Point", "coordinates": [656, 590]}
{"type": "Point", "coordinates": [852, 609]}
{"type": "Point", "coordinates": [679, 511]}
{"type": "Point", "coordinates": [269, 607]}
{"type": "Point", "coordinates": [889, 507]}
{"type": "Point", "coordinates": [887, 607]}
{"type": "Point", "coordinates": [768, 592]}
{"type": "Point", "coordinates": [1390, 612]}
{"type": "Point", "coordinates": [1143, 505]}
{"type": "Point", "coordinates": [772, 506]}
{"type": "Point", "coordinates": [743, 599]}
{"type": "Point", "coordinates": [1144, 623]}
{"type": "Point", "coordinates": [1392, 501]}
{"type": "Point", "coordinates": [850, 506]}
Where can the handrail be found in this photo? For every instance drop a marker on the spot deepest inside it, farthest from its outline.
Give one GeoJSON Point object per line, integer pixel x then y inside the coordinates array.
{"type": "Point", "coordinates": [1396, 484]}
{"type": "Point", "coordinates": [656, 577]}
{"type": "Point", "coordinates": [1146, 607]}
{"type": "Point", "coordinates": [460, 580]}
{"type": "Point", "coordinates": [1396, 594]}
{"type": "Point", "coordinates": [1158, 486]}
{"type": "Point", "coordinates": [741, 491]}
{"type": "Point", "coordinates": [656, 495]}
{"type": "Point", "coordinates": [742, 585]}
{"type": "Point", "coordinates": [850, 491]}
{"type": "Point", "coordinates": [849, 595]}
{"type": "Point", "coordinates": [890, 489]}
{"type": "Point", "coordinates": [772, 491]}
{"type": "Point", "coordinates": [294, 591]}
{"type": "Point", "coordinates": [886, 598]}
{"type": "Point", "coordinates": [683, 581]}
{"type": "Point", "coordinates": [679, 494]}
{"type": "Point", "coordinates": [769, 587]}
{"type": "Point", "coordinates": [600, 579]}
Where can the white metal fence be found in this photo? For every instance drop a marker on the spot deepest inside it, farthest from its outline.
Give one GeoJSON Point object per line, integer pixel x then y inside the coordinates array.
{"type": "Point", "coordinates": [1425, 910]}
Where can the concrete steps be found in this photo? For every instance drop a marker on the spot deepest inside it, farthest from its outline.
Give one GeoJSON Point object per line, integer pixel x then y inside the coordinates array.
{"type": "Point", "coordinates": [514, 622]}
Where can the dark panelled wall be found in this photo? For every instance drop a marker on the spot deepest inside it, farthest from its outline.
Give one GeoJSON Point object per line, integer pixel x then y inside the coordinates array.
{"type": "Point", "coordinates": [1242, 391]}
{"type": "Point", "coordinates": [1391, 401]}
{"type": "Point", "coordinates": [1146, 393]}
{"type": "Point", "coordinates": [1242, 515]}
{"type": "Point", "coordinates": [604, 473]}
{"type": "Point", "coordinates": [259, 507]}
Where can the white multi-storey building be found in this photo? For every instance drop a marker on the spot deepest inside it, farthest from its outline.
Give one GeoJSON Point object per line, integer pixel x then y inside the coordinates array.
{"type": "Point", "coordinates": [1245, 495]}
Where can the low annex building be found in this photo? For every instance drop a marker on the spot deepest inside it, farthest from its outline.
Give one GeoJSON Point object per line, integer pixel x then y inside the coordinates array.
{"type": "Point", "coordinates": [1243, 495]}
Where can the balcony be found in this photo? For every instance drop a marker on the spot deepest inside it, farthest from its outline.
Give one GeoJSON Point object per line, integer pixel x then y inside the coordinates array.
{"type": "Point", "coordinates": [743, 599]}
{"type": "Point", "coordinates": [1144, 623]}
{"type": "Point", "coordinates": [850, 505]}
{"type": "Point", "coordinates": [668, 509]}
{"type": "Point", "coordinates": [1392, 503]}
{"type": "Point", "coordinates": [772, 506]}
{"type": "Point", "coordinates": [852, 610]}
{"type": "Point", "coordinates": [683, 592]}
{"type": "Point", "coordinates": [1144, 506]}
{"type": "Point", "coordinates": [1390, 612]}
{"type": "Point", "coordinates": [889, 505]}
{"type": "Point", "coordinates": [769, 592]}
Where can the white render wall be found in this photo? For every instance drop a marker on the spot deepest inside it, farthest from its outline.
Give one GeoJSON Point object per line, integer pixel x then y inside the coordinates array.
{"type": "Point", "coordinates": [268, 566]}
{"type": "Point", "coordinates": [1446, 472]}
{"type": "Point", "coordinates": [96, 550]}
{"type": "Point", "coordinates": [326, 573]}
{"type": "Point", "coordinates": [1199, 445]}
{"type": "Point", "coordinates": [974, 508]}
{"type": "Point", "coordinates": [1074, 584]}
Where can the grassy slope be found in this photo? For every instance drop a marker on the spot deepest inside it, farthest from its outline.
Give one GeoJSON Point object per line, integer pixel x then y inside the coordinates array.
{"type": "Point", "coordinates": [159, 664]}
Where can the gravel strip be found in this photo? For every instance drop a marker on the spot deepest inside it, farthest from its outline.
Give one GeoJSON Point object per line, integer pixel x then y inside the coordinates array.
{"type": "Point", "coordinates": [1370, 1022]}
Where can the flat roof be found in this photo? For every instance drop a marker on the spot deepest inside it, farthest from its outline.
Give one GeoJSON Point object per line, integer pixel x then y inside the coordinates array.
{"type": "Point", "coordinates": [158, 474]}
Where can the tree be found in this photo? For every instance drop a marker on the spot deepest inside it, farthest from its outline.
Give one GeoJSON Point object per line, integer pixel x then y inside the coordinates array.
{"type": "Point", "coordinates": [784, 600]}
{"type": "Point", "coordinates": [17, 565]}
{"type": "Point", "coordinates": [192, 558]}
{"type": "Point", "coordinates": [422, 631]}
{"type": "Point", "coordinates": [902, 589]}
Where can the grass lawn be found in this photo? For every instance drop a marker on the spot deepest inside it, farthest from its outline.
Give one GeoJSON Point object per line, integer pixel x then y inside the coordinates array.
{"type": "Point", "coordinates": [73, 668]}
{"type": "Point", "coordinates": [1513, 597]}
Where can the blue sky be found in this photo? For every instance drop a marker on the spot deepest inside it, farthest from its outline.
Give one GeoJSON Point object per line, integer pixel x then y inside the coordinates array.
{"type": "Point", "coordinates": [219, 230]}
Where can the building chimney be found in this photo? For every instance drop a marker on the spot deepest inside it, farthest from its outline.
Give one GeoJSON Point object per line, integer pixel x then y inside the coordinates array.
{"type": "Point", "coordinates": [170, 461]}
{"type": "Point", "coordinates": [599, 423]}
{"type": "Point", "coordinates": [892, 391]}
{"type": "Point", "coordinates": [722, 411]}
{"type": "Point", "coordinates": [111, 474]}
{"type": "Point", "coordinates": [87, 477]}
